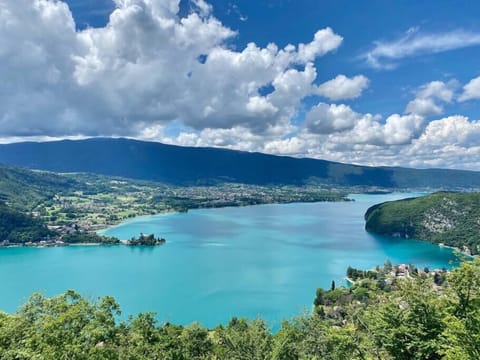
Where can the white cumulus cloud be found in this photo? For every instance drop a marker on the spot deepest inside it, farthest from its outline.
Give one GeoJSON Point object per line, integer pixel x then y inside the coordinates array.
{"type": "Point", "coordinates": [204, 8]}
{"type": "Point", "coordinates": [324, 41]}
{"type": "Point", "coordinates": [155, 74]}
{"type": "Point", "coordinates": [471, 90]}
{"type": "Point", "coordinates": [342, 87]}
{"type": "Point", "coordinates": [429, 98]}
{"type": "Point", "coordinates": [452, 142]}
{"type": "Point", "coordinates": [325, 119]}
{"type": "Point", "coordinates": [398, 140]}
{"type": "Point", "coordinates": [147, 67]}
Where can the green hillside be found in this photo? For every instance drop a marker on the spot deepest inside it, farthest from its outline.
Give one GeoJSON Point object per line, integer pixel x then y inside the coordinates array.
{"type": "Point", "coordinates": [16, 227]}
{"type": "Point", "coordinates": [24, 189]}
{"type": "Point", "coordinates": [449, 218]}
{"type": "Point", "coordinates": [95, 201]}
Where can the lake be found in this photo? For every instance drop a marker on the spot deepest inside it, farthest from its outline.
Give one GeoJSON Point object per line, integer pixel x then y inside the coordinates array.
{"type": "Point", "coordinates": [264, 260]}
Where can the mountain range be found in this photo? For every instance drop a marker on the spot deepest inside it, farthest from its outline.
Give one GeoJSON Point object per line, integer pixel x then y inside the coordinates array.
{"type": "Point", "coordinates": [195, 165]}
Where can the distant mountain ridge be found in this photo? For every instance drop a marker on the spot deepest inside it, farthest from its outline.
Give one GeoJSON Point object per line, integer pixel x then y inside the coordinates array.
{"type": "Point", "coordinates": [192, 165]}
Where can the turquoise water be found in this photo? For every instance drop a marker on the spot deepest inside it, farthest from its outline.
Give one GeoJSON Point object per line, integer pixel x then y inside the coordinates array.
{"type": "Point", "coordinates": [252, 261]}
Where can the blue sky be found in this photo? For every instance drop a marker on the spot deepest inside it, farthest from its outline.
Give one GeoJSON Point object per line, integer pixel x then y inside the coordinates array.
{"type": "Point", "coordinates": [370, 82]}
{"type": "Point", "coordinates": [361, 23]}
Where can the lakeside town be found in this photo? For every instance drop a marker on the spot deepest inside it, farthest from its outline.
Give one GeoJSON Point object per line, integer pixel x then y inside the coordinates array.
{"type": "Point", "coordinates": [389, 273]}
{"type": "Point", "coordinates": [107, 201]}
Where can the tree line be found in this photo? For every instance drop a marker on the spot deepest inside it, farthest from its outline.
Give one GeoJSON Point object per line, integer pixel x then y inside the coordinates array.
{"type": "Point", "coordinates": [410, 319]}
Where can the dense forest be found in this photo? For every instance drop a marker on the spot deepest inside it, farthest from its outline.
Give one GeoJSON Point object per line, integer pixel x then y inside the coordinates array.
{"type": "Point", "coordinates": [88, 238]}
{"type": "Point", "coordinates": [16, 227]}
{"type": "Point", "coordinates": [19, 228]}
{"type": "Point", "coordinates": [444, 217]}
{"type": "Point", "coordinates": [411, 318]}
{"type": "Point", "coordinates": [146, 240]}
{"type": "Point", "coordinates": [24, 189]}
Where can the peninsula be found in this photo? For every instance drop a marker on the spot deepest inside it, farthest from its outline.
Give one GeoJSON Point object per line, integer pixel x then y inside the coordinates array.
{"type": "Point", "coordinates": [444, 218]}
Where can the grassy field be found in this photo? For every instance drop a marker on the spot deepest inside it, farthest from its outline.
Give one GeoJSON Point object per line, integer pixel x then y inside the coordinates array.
{"type": "Point", "coordinates": [104, 201]}
{"type": "Point", "coordinates": [89, 202]}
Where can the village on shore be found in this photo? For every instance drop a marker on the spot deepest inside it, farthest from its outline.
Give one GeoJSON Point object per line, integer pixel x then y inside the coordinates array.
{"type": "Point", "coordinates": [388, 274]}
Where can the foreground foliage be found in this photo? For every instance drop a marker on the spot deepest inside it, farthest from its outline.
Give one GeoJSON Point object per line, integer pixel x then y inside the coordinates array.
{"type": "Point", "coordinates": [410, 319]}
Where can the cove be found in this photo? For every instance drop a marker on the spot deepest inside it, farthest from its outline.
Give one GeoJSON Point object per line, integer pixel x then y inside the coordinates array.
{"type": "Point", "coordinates": [264, 260]}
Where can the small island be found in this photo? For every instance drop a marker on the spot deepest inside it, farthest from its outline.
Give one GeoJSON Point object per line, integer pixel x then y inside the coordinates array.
{"type": "Point", "coordinates": [146, 240]}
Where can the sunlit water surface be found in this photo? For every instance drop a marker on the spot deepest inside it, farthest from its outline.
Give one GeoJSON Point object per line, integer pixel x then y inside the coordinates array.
{"type": "Point", "coordinates": [251, 261]}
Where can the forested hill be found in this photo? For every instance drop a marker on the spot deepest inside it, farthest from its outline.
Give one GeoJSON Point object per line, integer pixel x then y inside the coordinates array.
{"type": "Point", "coordinates": [188, 165]}
{"type": "Point", "coordinates": [23, 189]}
{"type": "Point", "coordinates": [449, 218]}
{"type": "Point", "coordinates": [16, 227]}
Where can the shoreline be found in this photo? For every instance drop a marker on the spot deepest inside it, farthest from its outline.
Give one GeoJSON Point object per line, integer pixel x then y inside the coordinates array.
{"type": "Point", "coordinates": [183, 211]}
{"type": "Point", "coordinates": [100, 228]}
{"type": "Point", "coordinates": [101, 231]}
{"type": "Point", "coordinates": [455, 249]}
{"type": "Point", "coordinates": [440, 245]}
{"type": "Point", "coordinates": [346, 199]}
{"type": "Point", "coordinates": [44, 246]}
{"type": "Point", "coordinates": [133, 219]}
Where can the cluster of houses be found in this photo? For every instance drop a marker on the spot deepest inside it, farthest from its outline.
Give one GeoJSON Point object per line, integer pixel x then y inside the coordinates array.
{"type": "Point", "coordinates": [403, 271]}
{"type": "Point", "coordinates": [68, 229]}
{"type": "Point", "coordinates": [42, 243]}
{"type": "Point", "coordinates": [51, 241]}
